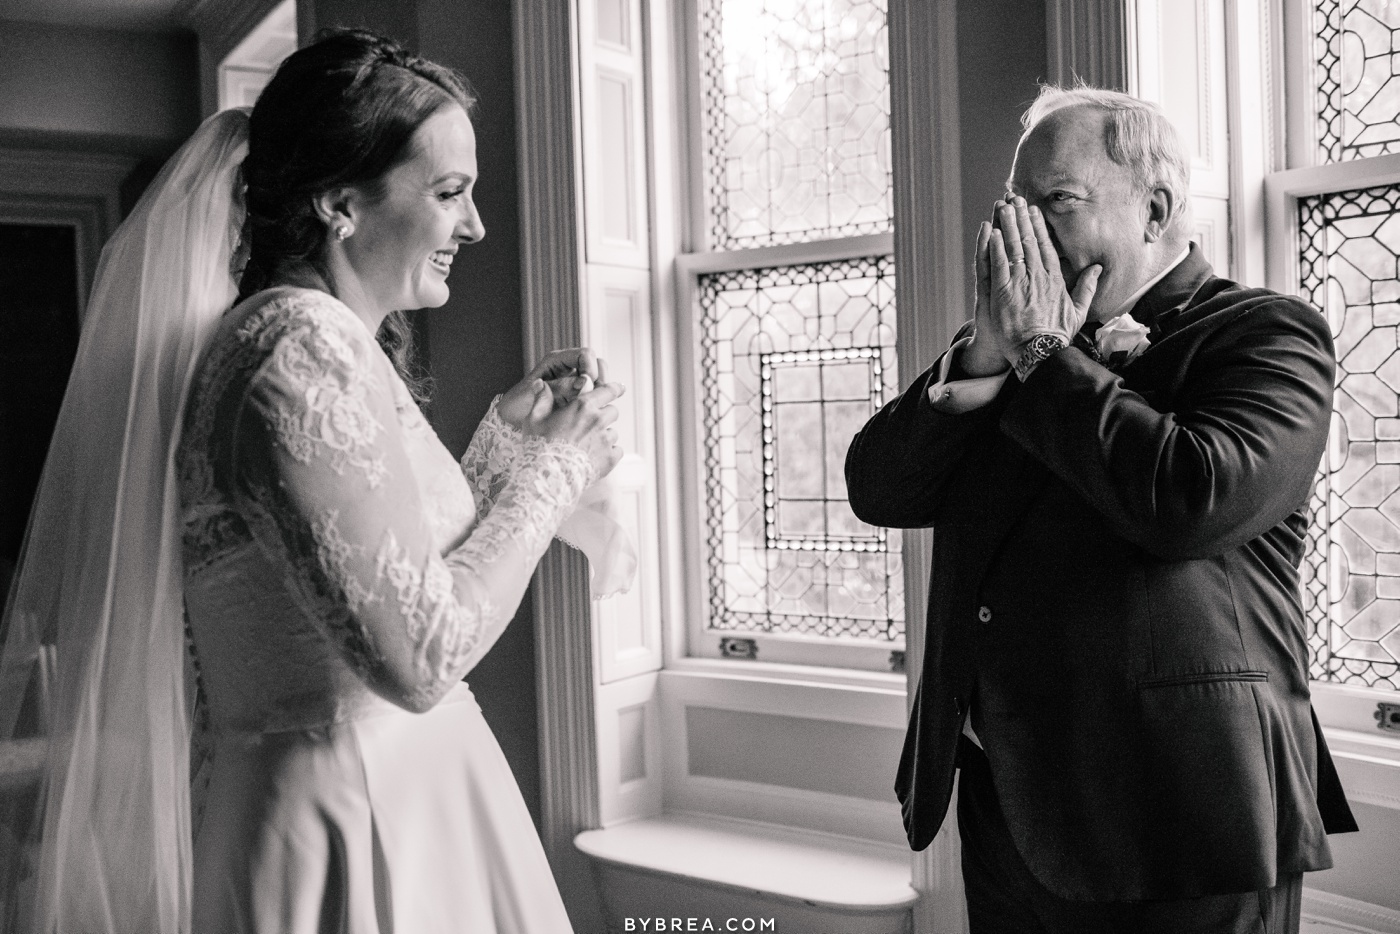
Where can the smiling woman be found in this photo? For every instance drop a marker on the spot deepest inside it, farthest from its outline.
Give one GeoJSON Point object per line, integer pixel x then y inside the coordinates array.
{"type": "Point", "coordinates": [404, 135]}
{"type": "Point", "coordinates": [283, 512]}
{"type": "Point", "coordinates": [395, 239]}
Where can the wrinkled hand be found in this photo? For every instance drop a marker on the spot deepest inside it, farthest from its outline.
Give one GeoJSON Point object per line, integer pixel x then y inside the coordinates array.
{"type": "Point", "coordinates": [984, 355]}
{"type": "Point", "coordinates": [585, 420]}
{"type": "Point", "coordinates": [567, 372]}
{"type": "Point", "coordinates": [1028, 293]}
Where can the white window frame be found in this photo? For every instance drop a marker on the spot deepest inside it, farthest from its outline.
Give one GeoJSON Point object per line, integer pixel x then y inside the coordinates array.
{"type": "Point", "coordinates": [1368, 759]}
{"type": "Point", "coordinates": [875, 658]}
{"type": "Point", "coordinates": [931, 272]}
{"type": "Point", "coordinates": [247, 69]}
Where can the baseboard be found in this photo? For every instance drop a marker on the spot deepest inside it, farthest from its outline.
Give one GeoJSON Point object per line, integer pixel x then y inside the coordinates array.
{"type": "Point", "coordinates": [1326, 913]}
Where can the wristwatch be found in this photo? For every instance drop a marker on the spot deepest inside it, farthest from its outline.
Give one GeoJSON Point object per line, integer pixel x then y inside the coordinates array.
{"type": "Point", "coordinates": [1035, 350]}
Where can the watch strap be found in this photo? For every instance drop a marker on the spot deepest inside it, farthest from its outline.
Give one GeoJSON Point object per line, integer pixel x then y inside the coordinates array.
{"type": "Point", "coordinates": [1035, 351]}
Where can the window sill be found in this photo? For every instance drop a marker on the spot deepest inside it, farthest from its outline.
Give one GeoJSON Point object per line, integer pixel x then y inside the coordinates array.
{"type": "Point", "coordinates": [804, 867]}
{"type": "Point", "coordinates": [1367, 758]}
{"type": "Point", "coordinates": [784, 673]}
{"type": "Point", "coordinates": [1368, 765]}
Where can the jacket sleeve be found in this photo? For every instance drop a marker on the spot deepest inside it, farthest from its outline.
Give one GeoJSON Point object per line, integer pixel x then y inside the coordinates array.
{"type": "Point", "coordinates": [1235, 457]}
{"type": "Point", "coordinates": [899, 464]}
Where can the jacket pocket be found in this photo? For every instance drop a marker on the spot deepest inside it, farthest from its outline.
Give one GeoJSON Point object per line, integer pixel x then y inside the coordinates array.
{"type": "Point", "coordinates": [1206, 802]}
{"type": "Point", "coordinates": [1201, 677]}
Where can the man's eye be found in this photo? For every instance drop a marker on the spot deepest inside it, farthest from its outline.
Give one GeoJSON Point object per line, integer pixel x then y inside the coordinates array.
{"type": "Point", "coordinates": [449, 195]}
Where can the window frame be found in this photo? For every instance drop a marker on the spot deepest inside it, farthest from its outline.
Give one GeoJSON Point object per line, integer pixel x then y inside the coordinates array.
{"type": "Point", "coordinates": [1368, 759]}
{"type": "Point", "coordinates": [927, 182]}
{"type": "Point", "coordinates": [880, 664]}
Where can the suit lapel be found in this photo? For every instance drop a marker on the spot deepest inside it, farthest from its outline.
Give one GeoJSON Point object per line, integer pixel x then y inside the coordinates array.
{"type": "Point", "coordinates": [1161, 308]}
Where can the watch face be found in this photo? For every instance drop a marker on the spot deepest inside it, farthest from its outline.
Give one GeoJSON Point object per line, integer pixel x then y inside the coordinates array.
{"type": "Point", "coordinates": [1045, 344]}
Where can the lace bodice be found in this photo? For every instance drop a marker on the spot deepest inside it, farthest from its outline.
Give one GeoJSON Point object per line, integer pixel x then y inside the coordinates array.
{"type": "Point", "coordinates": [334, 551]}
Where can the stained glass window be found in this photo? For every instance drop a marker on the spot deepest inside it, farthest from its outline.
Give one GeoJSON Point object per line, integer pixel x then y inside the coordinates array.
{"type": "Point", "coordinates": [797, 112]}
{"type": "Point", "coordinates": [1351, 573]}
{"type": "Point", "coordinates": [1357, 48]}
{"type": "Point", "coordinates": [794, 360]}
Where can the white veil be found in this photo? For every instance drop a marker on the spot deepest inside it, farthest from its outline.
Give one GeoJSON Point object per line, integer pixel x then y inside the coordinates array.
{"type": "Point", "coordinates": [100, 577]}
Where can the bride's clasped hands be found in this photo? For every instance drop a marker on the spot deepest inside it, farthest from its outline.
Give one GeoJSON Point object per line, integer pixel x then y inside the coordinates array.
{"type": "Point", "coordinates": [567, 397]}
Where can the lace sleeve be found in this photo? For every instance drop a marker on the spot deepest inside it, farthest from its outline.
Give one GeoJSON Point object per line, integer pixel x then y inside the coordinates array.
{"type": "Point", "coordinates": [490, 458]}
{"type": "Point", "coordinates": [347, 514]}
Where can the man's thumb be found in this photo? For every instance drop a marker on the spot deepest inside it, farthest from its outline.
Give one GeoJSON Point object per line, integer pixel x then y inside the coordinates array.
{"type": "Point", "coordinates": [1085, 288]}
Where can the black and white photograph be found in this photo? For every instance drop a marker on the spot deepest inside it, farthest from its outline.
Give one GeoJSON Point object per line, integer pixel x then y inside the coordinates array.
{"type": "Point", "coordinates": [642, 466]}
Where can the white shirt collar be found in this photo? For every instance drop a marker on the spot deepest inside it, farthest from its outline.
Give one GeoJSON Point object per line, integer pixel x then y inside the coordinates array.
{"type": "Point", "coordinates": [1147, 286]}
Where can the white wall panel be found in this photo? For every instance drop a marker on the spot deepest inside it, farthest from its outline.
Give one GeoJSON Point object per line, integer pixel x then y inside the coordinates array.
{"type": "Point", "coordinates": [612, 111]}
{"type": "Point", "coordinates": [1181, 66]}
{"type": "Point", "coordinates": [853, 816]}
{"type": "Point", "coordinates": [619, 329]}
{"type": "Point", "coordinates": [629, 750]}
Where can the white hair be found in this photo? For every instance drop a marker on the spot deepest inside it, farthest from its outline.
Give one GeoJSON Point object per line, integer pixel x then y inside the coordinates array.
{"type": "Point", "coordinates": [1137, 135]}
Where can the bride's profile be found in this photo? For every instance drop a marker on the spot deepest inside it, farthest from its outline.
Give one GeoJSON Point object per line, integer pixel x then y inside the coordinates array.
{"type": "Point", "coordinates": [262, 575]}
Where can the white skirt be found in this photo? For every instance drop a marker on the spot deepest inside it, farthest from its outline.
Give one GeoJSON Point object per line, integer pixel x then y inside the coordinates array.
{"type": "Point", "coordinates": [400, 822]}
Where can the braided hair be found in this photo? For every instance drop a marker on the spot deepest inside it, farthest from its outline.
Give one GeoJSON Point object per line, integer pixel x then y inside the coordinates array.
{"type": "Point", "coordinates": [339, 112]}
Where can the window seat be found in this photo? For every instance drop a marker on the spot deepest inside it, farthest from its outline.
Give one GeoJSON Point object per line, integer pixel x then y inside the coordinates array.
{"type": "Point", "coordinates": [714, 866]}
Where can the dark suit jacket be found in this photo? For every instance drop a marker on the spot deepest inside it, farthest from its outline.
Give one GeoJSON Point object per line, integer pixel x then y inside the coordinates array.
{"type": "Point", "coordinates": [1115, 593]}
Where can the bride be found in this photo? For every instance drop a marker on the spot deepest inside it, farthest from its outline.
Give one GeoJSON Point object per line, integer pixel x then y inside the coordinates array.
{"type": "Point", "coordinates": [257, 490]}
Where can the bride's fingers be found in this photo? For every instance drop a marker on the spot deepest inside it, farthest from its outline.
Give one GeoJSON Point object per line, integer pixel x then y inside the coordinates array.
{"type": "Point", "coordinates": [588, 364]}
{"type": "Point", "coordinates": [543, 402]}
{"type": "Point", "coordinates": [571, 361]}
{"type": "Point", "coordinates": [565, 388]}
{"type": "Point", "coordinates": [604, 394]}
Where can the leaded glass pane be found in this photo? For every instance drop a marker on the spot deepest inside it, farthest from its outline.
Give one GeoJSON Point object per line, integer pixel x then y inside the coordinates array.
{"type": "Point", "coordinates": [1350, 242]}
{"type": "Point", "coordinates": [794, 360]}
{"type": "Point", "coordinates": [1357, 46]}
{"type": "Point", "coordinates": [797, 112]}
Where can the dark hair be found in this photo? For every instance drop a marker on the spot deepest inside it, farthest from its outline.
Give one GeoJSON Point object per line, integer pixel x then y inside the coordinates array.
{"type": "Point", "coordinates": [339, 112]}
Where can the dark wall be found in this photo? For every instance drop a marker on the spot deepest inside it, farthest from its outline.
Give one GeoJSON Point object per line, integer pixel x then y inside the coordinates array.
{"type": "Point", "coordinates": [395, 20]}
{"type": "Point", "coordinates": [474, 344]}
{"type": "Point", "coordinates": [476, 341]}
{"type": "Point", "coordinates": [1001, 61]}
{"type": "Point", "coordinates": [97, 90]}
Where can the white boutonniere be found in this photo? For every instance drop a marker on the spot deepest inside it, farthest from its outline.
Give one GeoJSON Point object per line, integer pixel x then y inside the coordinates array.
{"type": "Point", "coordinates": [1120, 341]}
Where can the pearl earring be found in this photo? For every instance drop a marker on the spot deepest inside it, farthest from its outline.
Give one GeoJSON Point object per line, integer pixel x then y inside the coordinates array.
{"type": "Point", "coordinates": [342, 232]}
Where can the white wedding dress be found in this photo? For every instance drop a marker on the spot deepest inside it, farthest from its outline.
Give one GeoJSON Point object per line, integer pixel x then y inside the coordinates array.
{"type": "Point", "coordinates": [315, 495]}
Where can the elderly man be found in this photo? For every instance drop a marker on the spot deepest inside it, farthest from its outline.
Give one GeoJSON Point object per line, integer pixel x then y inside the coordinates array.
{"type": "Point", "coordinates": [1116, 475]}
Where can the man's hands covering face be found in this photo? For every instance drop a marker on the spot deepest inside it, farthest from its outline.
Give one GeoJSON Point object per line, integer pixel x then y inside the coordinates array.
{"type": "Point", "coordinates": [1020, 290]}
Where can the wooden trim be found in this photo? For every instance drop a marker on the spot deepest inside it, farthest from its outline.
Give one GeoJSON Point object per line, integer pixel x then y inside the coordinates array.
{"type": "Point", "coordinates": [787, 254]}
{"type": "Point", "coordinates": [77, 189]}
{"type": "Point", "coordinates": [551, 284]}
{"type": "Point", "coordinates": [1253, 114]}
{"type": "Point", "coordinates": [1327, 912]}
{"type": "Point", "coordinates": [1091, 39]}
{"type": "Point", "coordinates": [1282, 191]}
{"type": "Point", "coordinates": [1299, 84]}
{"type": "Point", "coordinates": [220, 25]}
{"type": "Point", "coordinates": [930, 266]}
